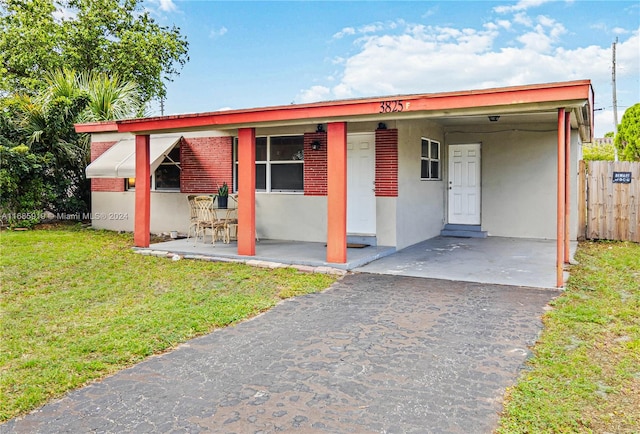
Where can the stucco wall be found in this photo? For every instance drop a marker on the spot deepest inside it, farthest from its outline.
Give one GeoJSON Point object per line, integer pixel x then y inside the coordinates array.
{"type": "Point", "coordinates": [519, 181]}
{"type": "Point", "coordinates": [291, 217]}
{"type": "Point", "coordinates": [420, 205]}
{"type": "Point", "coordinates": [116, 211]}
{"type": "Point", "coordinates": [278, 216]}
{"type": "Point", "coordinates": [386, 215]}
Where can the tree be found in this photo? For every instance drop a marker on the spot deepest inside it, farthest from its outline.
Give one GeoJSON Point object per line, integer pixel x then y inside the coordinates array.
{"type": "Point", "coordinates": [598, 151]}
{"type": "Point", "coordinates": [109, 36]}
{"type": "Point", "coordinates": [43, 157]}
{"type": "Point", "coordinates": [46, 128]}
{"type": "Point", "coordinates": [23, 181]}
{"type": "Point", "coordinates": [29, 44]}
{"type": "Point", "coordinates": [108, 96]}
{"type": "Point", "coordinates": [628, 138]}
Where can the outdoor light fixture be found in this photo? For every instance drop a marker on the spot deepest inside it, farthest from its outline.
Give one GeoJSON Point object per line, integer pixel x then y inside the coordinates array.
{"type": "Point", "coordinates": [494, 118]}
{"type": "Point", "coordinates": [320, 128]}
{"type": "Point", "coordinates": [315, 145]}
{"type": "Point", "coordinates": [382, 126]}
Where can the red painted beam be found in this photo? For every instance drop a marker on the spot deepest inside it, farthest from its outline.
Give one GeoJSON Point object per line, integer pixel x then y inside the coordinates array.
{"type": "Point", "coordinates": [337, 192]}
{"type": "Point", "coordinates": [560, 227]}
{"type": "Point", "coordinates": [247, 192]}
{"type": "Point", "coordinates": [568, 91]}
{"type": "Point", "coordinates": [96, 127]}
{"type": "Point", "coordinates": [142, 228]}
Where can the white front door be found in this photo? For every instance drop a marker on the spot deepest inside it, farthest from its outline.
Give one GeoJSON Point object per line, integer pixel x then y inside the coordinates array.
{"type": "Point", "coordinates": [361, 173]}
{"type": "Point", "coordinates": [464, 184]}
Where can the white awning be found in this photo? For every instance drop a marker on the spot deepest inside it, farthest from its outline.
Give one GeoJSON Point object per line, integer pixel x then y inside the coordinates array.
{"type": "Point", "coordinates": [119, 161]}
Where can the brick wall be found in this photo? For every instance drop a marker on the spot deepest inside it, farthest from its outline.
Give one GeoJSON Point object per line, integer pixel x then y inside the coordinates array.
{"type": "Point", "coordinates": [315, 165]}
{"type": "Point", "coordinates": [387, 163]}
{"type": "Point", "coordinates": [104, 184]}
{"type": "Point", "coordinates": [206, 163]}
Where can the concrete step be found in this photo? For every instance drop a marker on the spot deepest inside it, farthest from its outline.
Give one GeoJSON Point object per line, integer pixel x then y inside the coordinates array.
{"type": "Point", "coordinates": [463, 231]}
{"type": "Point", "coordinates": [362, 239]}
{"type": "Point", "coordinates": [453, 227]}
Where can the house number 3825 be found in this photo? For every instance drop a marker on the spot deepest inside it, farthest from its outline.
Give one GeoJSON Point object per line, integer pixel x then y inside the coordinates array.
{"type": "Point", "coordinates": [391, 106]}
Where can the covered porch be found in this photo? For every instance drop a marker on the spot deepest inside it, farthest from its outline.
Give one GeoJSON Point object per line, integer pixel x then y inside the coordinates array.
{"type": "Point", "coordinates": [528, 159]}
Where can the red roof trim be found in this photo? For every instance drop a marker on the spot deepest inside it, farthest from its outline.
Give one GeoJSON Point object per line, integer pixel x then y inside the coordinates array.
{"type": "Point", "coordinates": [537, 93]}
{"type": "Point", "coordinates": [97, 127]}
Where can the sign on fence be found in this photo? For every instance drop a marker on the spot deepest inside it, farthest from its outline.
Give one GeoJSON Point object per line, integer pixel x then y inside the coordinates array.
{"type": "Point", "coordinates": [612, 190]}
{"type": "Point", "coordinates": [622, 177]}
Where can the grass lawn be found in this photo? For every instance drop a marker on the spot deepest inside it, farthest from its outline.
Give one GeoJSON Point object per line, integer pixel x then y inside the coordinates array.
{"type": "Point", "coordinates": [585, 373]}
{"type": "Point", "coordinates": [79, 304]}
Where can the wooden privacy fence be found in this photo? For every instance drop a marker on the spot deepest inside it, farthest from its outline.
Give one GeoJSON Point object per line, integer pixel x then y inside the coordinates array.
{"type": "Point", "coordinates": [609, 200]}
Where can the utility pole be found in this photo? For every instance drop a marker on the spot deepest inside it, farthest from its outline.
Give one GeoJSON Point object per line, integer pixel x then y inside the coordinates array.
{"type": "Point", "coordinates": [615, 98]}
{"type": "Point", "coordinates": [162, 104]}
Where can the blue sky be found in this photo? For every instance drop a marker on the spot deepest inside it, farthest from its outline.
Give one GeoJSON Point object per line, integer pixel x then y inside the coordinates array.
{"type": "Point", "coordinates": [260, 53]}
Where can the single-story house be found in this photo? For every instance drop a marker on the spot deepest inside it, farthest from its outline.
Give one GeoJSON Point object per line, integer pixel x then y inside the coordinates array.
{"type": "Point", "coordinates": [395, 170]}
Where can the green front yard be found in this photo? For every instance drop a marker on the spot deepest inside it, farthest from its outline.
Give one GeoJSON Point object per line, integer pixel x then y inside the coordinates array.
{"type": "Point", "coordinates": [80, 304]}
{"type": "Point", "coordinates": [585, 375]}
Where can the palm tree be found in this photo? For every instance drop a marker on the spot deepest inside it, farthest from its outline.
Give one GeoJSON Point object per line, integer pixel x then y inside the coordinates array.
{"type": "Point", "coordinates": [48, 121]}
{"type": "Point", "coordinates": [108, 96]}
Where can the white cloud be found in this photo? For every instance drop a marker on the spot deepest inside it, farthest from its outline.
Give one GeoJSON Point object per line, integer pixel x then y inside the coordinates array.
{"type": "Point", "coordinates": [215, 33]}
{"type": "Point", "coordinates": [499, 24]}
{"type": "Point", "coordinates": [161, 7]}
{"type": "Point", "coordinates": [535, 41]}
{"type": "Point", "coordinates": [344, 32]}
{"type": "Point", "coordinates": [628, 59]}
{"type": "Point", "coordinates": [543, 36]}
{"type": "Point", "coordinates": [431, 12]}
{"type": "Point", "coordinates": [371, 28]}
{"type": "Point", "coordinates": [605, 117]}
{"type": "Point", "coordinates": [523, 19]}
{"type": "Point", "coordinates": [167, 6]}
{"type": "Point", "coordinates": [314, 93]}
{"type": "Point", "coordinates": [520, 6]}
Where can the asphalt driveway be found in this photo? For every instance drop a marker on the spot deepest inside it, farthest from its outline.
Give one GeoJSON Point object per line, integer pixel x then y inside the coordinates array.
{"type": "Point", "coordinates": [374, 353]}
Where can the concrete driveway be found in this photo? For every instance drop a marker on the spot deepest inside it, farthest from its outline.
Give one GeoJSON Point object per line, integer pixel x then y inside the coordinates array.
{"type": "Point", "coordinates": [374, 353]}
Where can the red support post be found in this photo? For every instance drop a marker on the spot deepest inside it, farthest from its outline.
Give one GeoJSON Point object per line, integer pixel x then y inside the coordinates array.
{"type": "Point", "coordinates": [142, 228]}
{"type": "Point", "coordinates": [560, 227]}
{"type": "Point", "coordinates": [567, 183]}
{"type": "Point", "coordinates": [337, 192]}
{"type": "Point", "coordinates": [247, 191]}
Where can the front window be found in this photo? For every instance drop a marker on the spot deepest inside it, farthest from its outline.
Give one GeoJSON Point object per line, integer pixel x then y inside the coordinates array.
{"type": "Point", "coordinates": [167, 175]}
{"type": "Point", "coordinates": [430, 160]}
{"type": "Point", "coordinates": [279, 163]}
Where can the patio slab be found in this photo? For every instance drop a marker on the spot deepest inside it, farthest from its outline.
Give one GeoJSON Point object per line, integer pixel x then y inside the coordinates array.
{"type": "Point", "coordinates": [280, 251]}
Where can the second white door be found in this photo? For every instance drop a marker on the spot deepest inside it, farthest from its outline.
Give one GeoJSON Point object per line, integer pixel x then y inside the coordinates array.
{"type": "Point", "coordinates": [464, 184]}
